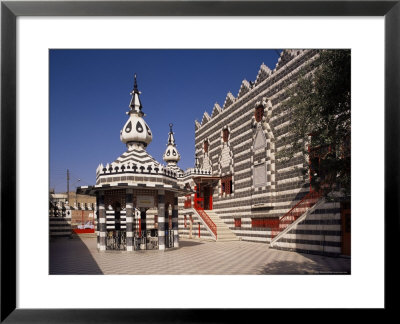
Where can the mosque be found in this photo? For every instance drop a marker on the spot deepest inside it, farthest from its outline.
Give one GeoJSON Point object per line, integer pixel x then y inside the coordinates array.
{"type": "Point", "coordinates": [237, 189]}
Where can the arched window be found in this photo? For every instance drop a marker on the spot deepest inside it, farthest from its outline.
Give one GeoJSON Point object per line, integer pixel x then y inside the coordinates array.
{"type": "Point", "coordinates": [225, 135]}
{"type": "Point", "coordinates": [226, 185]}
{"type": "Point", "coordinates": [259, 113]}
{"type": "Point", "coordinates": [205, 146]}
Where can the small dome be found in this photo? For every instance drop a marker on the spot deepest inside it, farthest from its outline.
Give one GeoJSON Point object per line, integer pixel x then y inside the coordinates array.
{"type": "Point", "coordinates": [136, 130]}
{"type": "Point", "coordinates": [171, 154]}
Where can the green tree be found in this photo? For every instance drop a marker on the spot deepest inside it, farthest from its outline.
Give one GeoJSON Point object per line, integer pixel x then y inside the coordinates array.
{"type": "Point", "coordinates": [319, 109]}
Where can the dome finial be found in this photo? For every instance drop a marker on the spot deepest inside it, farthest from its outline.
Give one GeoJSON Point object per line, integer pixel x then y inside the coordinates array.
{"type": "Point", "coordinates": [135, 105]}
{"type": "Point", "coordinates": [171, 139]}
{"type": "Point", "coordinates": [135, 84]}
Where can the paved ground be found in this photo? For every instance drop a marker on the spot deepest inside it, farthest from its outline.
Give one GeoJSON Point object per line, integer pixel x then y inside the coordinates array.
{"type": "Point", "coordinates": [79, 255]}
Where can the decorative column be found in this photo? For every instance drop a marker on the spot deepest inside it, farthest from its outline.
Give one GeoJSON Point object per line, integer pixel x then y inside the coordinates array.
{"type": "Point", "coordinates": [102, 222]}
{"type": "Point", "coordinates": [175, 221]}
{"type": "Point", "coordinates": [129, 219]}
{"type": "Point", "coordinates": [190, 226]}
{"type": "Point", "coordinates": [161, 219]}
{"type": "Point", "coordinates": [97, 214]}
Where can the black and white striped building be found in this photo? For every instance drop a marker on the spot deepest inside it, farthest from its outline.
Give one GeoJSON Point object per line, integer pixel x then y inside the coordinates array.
{"type": "Point", "coordinates": [238, 189]}
{"type": "Point", "coordinates": [133, 184]}
{"type": "Point", "coordinates": [249, 190]}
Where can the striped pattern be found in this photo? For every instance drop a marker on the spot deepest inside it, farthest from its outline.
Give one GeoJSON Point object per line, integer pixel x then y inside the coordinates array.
{"type": "Point", "coordinates": [102, 222]}
{"type": "Point", "coordinates": [161, 220]}
{"type": "Point", "coordinates": [110, 219]}
{"type": "Point", "coordinates": [129, 219]}
{"type": "Point", "coordinates": [174, 168]}
{"type": "Point", "coordinates": [98, 222]}
{"type": "Point", "coordinates": [191, 230]}
{"type": "Point", "coordinates": [60, 226]}
{"type": "Point", "coordinates": [137, 156]}
{"type": "Point", "coordinates": [175, 222]}
{"type": "Point", "coordinates": [252, 146]}
{"type": "Point", "coordinates": [318, 233]}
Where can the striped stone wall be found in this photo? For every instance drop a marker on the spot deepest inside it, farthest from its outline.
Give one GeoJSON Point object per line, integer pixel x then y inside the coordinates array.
{"type": "Point", "coordinates": [184, 231]}
{"type": "Point", "coordinates": [262, 185]}
{"type": "Point", "coordinates": [60, 226]}
{"type": "Point", "coordinates": [319, 233]}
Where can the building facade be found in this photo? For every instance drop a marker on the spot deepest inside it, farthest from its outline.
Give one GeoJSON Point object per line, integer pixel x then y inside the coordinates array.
{"type": "Point", "coordinates": [256, 195]}
{"type": "Point", "coordinates": [238, 188]}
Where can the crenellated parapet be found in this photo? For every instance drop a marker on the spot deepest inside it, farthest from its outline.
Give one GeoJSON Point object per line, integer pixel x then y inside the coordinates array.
{"type": "Point", "coordinates": [206, 118]}
{"type": "Point", "coordinates": [134, 169]}
{"type": "Point", "coordinates": [216, 110]}
{"type": "Point", "coordinates": [245, 87]}
{"type": "Point", "coordinates": [263, 73]}
{"type": "Point", "coordinates": [265, 77]}
{"type": "Point", "coordinates": [229, 100]}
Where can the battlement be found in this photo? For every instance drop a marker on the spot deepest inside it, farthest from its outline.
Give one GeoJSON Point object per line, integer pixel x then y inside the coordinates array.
{"type": "Point", "coordinates": [264, 75]}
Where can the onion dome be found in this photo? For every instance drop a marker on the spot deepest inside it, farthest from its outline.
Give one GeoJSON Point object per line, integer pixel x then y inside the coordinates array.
{"type": "Point", "coordinates": [136, 131]}
{"type": "Point", "coordinates": [171, 155]}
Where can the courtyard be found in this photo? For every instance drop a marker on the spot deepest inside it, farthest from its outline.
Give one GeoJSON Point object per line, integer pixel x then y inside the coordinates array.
{"type": "Point", "coordinates": [79, 255]}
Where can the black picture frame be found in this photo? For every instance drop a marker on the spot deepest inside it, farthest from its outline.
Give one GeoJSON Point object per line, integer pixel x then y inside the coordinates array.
{"type": "Point", "coordinates": [10, 10]}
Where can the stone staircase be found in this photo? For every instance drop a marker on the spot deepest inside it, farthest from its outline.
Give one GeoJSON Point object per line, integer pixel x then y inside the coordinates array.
{"type": "Point", "coordinates": [223, 231]}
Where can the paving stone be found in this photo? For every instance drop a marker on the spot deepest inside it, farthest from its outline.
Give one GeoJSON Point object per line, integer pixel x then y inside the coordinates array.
{"type": "Point", "coordinates": [80, 256]}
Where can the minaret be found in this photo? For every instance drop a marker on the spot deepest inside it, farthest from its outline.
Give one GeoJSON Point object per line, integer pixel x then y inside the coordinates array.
{"type": "Point", "coordinates": [135, 133]}
{"type": "Point", "coordinates": [171, 155]}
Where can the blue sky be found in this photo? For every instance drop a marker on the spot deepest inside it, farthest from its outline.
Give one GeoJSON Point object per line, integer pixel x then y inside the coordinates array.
{"type": "Point", "coordinates": [90, 94]}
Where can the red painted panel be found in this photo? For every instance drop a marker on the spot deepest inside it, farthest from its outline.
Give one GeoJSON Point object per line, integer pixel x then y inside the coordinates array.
{"type": "Point", "coordinates": [83, 231]}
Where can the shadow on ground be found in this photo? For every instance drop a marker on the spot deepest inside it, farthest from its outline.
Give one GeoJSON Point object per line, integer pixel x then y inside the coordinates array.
{"type": "Point", "coordinates": [71, 256]}
{"type": "Point", "coordinates": [335, 266]}
{"type": "Point", "coordinates": [188, 243]}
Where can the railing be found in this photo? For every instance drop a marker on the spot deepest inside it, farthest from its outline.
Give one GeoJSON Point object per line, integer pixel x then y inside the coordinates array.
{"type": "Point", "coordinates": [204, 216]}
{"type": "Point", "coordinates": [296, 211]}
{"type": "Point", "coordinates": [199, 203]}
{"type": "Point", "coordinates": [194, 171]}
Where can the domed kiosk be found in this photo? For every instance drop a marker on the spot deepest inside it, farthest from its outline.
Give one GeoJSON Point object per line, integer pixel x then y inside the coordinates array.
{"type": "Point", "coordinates": [135, 182]}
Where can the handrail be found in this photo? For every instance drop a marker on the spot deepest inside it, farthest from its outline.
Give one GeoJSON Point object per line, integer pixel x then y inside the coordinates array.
{"type": "Point", "coordinates": [211, 225]}
{"type": "Point", "coordinates": [296, 211]}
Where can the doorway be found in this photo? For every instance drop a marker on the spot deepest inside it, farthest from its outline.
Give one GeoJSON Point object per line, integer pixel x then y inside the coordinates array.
{"type": "Point", "coordinates": [207, 194]}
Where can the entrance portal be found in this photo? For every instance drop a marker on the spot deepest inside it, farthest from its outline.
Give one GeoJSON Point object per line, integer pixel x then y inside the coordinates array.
{"type": "Point", "coordinates": [207, 194]}
{"type": "Point", "coordinates": [204, 191]}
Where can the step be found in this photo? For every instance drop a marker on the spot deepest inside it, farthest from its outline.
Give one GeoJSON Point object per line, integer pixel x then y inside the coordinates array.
{"type": "Point", "coordinates": [227, 238]}
{"type": "Point", "coordinates": [224, 233]}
